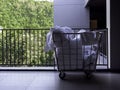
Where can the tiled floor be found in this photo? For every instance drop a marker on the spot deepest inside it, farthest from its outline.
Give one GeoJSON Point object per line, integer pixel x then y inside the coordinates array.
{"type": "Point", "coordinates": [49, 80]}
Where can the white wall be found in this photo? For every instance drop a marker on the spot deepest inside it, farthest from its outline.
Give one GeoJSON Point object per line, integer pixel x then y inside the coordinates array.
{"type": "Point", "coordinates": [71, 13]}
{"type": "Point", "coordinates": [86, 1]}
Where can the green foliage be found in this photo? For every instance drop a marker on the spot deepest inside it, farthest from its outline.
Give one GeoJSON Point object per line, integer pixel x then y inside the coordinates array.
{"type": "Point", "coordinates": [26, 14]}
{"type": "Point", "coordinates": [24, 46]}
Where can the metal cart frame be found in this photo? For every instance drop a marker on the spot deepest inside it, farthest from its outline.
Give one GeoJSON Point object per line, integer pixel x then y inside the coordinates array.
{"type": "Point", "coordinates": [85, 41]}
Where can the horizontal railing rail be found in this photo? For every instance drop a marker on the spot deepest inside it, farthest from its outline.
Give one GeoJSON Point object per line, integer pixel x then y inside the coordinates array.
{"type": "Point", "coordinates": [25, 47]}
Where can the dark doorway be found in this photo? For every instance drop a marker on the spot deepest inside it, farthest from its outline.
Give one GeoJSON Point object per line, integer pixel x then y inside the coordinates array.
{"type": "Point", "coordinates": [98, 14]}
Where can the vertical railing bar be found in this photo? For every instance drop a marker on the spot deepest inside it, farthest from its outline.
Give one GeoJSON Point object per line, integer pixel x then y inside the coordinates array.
{"type": "Point", "coordinates": [22, 46]}
{"type": "Point", "coordinates": [105, 46]}
{"type": "Point", "coordinates": [106, 32]}
{"type": "Point", "coordinates": [30, 45]}
{"type": "Point", "coordinates": [6, 50]}
{"type": "Point", "coordinates": [99, 54]}
{"type": "Point", "coordinates": [18, 48]}
{"type": "Point", "coordinates": [42, 49]}
{"type": "Point", "coordinates": [14, 48]}
{"type": "Point", "coordinates": [26, 45]}
{"type": "Point", "coordinates": [46, 54]}
{"type": "Point", "coordinates": [41, 40]}
{"type": "Point", "coordinates": [38, 46]}
{"type": "Point", "coordinates": [102, 52]}
{"type": "Point", "coordinates": [2, 47]}
{"type": "Point", "coordinates": [10, 48]}
{"type": "Point", "coordinates": [34, 47]}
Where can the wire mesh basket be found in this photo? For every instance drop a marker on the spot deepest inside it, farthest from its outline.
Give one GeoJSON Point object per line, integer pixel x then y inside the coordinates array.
{"type": "Point", "coordinates": [76, 51]}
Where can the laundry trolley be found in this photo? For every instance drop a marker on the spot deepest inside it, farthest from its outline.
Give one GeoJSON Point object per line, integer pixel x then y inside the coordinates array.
{"type": "Point", "coordinates": [76, 51]}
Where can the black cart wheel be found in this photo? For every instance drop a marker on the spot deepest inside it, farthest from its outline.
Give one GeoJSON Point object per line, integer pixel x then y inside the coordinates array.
{"type": "Point", "coordinates": [88, 74]}
{"type": "Point", "coordinates": [62, 75]}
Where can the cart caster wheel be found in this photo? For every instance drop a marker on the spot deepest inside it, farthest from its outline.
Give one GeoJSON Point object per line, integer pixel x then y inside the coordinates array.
{"type": "Point", "coordinates": [88, 75]}
{"type": "Point", "coordinates": [62, 75]}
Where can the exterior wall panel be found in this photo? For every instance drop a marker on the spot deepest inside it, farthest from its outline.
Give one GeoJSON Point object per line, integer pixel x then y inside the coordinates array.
{"type": "Point", "coordinates": [71, 13]}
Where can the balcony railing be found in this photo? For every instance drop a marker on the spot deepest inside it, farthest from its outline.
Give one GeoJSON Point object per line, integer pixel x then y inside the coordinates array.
{"type": "Point", "coordinates": [25, 47]}
{"type": "Point", "coordinates": [102, 61]}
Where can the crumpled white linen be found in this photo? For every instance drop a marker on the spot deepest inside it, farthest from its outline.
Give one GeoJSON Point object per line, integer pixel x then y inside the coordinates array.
{"type": "Point", "coordinates": [49, 41]}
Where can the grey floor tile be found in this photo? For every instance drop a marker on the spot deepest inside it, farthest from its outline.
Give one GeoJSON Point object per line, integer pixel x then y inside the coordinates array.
{"type": "Point", "coordinates": [44, 80]}
{"type": "Point", "coordinates": [12, 88]}
{"type": "Point", "coordinates": [12, 80]}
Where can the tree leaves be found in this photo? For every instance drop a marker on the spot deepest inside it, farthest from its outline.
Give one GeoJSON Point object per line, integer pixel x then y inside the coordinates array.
{"type": "Point", "coordinates": [26, 14]}
{"type": "Point", "coordinates": [22, 46]}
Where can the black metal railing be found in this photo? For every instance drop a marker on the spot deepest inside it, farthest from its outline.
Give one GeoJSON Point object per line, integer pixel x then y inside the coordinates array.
{"type": "Point", "coordinates": [25, 47]}
{"type": "Point", "coordinates": [20, 47]}
{"type": "Point", "coordinates": [103, 54]}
